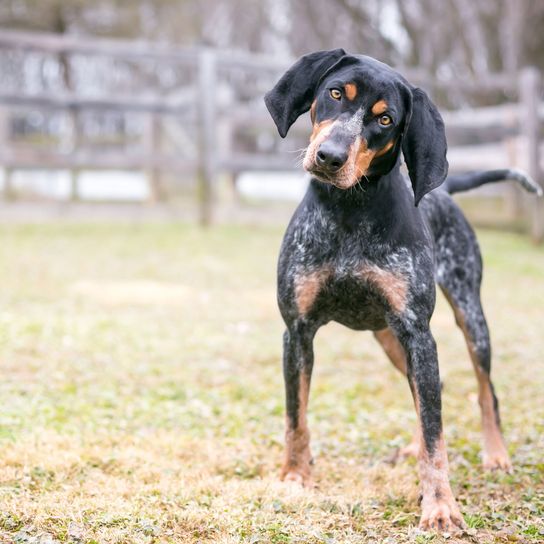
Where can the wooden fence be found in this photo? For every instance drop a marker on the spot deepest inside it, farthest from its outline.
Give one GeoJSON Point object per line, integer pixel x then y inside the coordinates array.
{"type": "Point", "coordinates": [512, 131]}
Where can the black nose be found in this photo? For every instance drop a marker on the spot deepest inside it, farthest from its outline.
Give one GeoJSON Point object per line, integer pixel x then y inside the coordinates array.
{"type": "Point", "coordinates": [331, 156]}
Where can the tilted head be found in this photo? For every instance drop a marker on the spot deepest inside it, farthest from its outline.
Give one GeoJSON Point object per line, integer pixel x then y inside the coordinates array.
{"type": "Point", "coordinates": [363, 114]}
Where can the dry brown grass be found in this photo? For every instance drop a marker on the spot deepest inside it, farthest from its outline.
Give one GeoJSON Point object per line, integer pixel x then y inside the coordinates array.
{"type": "Point", "coordinates": [143, 398]}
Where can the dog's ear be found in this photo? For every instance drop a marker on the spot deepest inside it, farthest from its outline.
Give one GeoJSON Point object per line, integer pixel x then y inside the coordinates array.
{"type": "Point", "coordinates": [295, 91]}
{"type": "Point", "coordinates": [424, 144]}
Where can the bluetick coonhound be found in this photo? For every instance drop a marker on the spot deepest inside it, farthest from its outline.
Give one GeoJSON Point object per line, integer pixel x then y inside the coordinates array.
{"type": "Point", "coordinates": [366, 246]}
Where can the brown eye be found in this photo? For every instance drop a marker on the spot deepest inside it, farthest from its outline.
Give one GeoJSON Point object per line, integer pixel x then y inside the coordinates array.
{"type": "Point", "coordinates": [385, 120]}
{"type": "Point", "coordinates": [336, 94]}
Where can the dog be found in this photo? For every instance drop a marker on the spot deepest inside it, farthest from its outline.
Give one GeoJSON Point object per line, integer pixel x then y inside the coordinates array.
{"type": "Point", "coordinates": [366, 246]}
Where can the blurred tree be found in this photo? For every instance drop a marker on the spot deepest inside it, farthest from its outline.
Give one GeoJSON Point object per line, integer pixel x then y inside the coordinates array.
{"type": "Point", "coordinates": [452, 39]}
{"type": "Point", "coordinates": [457, 36]}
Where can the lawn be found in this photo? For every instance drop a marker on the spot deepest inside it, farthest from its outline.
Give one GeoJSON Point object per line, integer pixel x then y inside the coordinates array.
{"type": "Point", "coordinates": [142, 397]}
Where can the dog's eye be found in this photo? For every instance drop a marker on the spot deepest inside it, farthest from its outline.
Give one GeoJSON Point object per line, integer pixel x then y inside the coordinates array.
{"type": "Point", "coordinates": [336, 94]}
{"type": "Point", "coordinates": [385, 120]}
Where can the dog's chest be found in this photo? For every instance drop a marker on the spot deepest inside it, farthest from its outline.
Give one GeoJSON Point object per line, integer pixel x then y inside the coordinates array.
{"type": "Point", "coordinates": [354, 291]}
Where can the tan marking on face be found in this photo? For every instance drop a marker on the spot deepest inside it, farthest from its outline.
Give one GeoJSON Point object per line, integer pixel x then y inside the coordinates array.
{"type": "Point", "coordinates": [321, 130]}
{"type": "Point", "coordinates": [307, 288]}
{"type": "Point", "coordinates": [359, 159]}
{"type": "Point", "coordinates": [363, 157]}
{"type": "Point", "coordinates": [319, 134]}
{"type": "Point", "coordinates": [385, 148]}
{"type": "Point", "coordinates": [393, 287]}
{"type": "Point", "coordinates": [350, 173]}
{"type": "Point", "coordinates": [379, 107]}
{"type": "Point", "coordinates": [351, 90]}
{"type": "Point", "coordinates": [297, 462]}
{"type": "Point", "coordinates": [312, 111]}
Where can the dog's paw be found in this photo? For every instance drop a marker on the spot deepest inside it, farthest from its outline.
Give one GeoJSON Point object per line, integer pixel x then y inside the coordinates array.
{"type": "Point", "coordinates": [411, 450]}
{"type": "Point", "coordinates": [498, 460]}
{"type": "Point", "coordinates": [401, 454]}
{"type": "Point", "coordinates": [441, 514]}
{"type": "Point", "coordinates": [298, 476]}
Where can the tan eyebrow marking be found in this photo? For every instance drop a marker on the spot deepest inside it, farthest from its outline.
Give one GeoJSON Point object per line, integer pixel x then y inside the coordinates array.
{"type": "Point", "coordinates": [379, 107]}
{"type": "Point", "coordinates": [350, 90]}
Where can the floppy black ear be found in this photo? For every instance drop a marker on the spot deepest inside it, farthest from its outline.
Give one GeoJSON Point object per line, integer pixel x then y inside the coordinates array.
{"type": "Point", "coordinates": [424, 145]}
{"type": "Point", "coordinates": [294, 92]}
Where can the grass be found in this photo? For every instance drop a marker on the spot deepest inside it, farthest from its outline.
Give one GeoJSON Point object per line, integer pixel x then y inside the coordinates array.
{"type": "Point", "coordinates": [142, 397]}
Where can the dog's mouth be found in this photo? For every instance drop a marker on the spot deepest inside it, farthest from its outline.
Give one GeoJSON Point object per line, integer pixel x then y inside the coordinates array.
{"type": "Point", "coordinates": [338, 180]}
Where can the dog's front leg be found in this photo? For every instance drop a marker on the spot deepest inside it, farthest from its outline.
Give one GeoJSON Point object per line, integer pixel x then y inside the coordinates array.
{"type": "Point", "coordinates": [298, 361]}
{"type": "Point", "coordinates": [439, 508]}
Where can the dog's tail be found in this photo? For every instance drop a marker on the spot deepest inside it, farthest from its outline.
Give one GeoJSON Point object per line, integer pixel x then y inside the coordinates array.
{"type": "Point", "coordinates": [471, 180]}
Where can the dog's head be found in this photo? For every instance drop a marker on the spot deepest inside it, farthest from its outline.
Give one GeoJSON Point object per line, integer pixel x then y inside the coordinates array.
{"type": "Point", "coordinates": [363, 114]}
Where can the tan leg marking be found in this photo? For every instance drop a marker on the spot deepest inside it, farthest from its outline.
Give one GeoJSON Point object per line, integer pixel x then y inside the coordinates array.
{"type": "Point", "coordinates": [495, 454]}
{"type": "Point", "coordinates": [350, 90]}
{"type": "Point", "coordinates": [439, 509]}
{"type": "Point", "coordinates": [393, 349]}
{"type": "Point", "coordinates": [379, 107]}
{"type": "Point", "coordinates": [392, 286]}
{"type": "Point", "coordinates": [307, 288]}
{"type": "Point", "coordinates": [297, 464]}
{"type": "Point", "coordinates": [397, 356]}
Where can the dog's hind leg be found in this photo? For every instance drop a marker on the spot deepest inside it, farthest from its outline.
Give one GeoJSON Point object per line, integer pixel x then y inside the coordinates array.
{"type": "Point", "coordinates": [459, 274]}
{"type": "Point", "coordinates": [470, 319]}
{"type": "Point", "coordinates": [394, 350]}
{"type": "Point", "coordinates": [298, 359]}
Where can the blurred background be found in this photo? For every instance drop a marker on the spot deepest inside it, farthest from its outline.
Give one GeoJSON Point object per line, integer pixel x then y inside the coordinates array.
{"type": "Point", "coordinates": [107, 105]}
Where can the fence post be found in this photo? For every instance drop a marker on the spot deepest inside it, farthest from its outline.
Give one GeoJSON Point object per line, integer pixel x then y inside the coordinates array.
{"type": "Point", "coordinates": [9, 193]}
{"type": "Point", "coordinates": [152, 149]}
{"type": "Point", "coordinates": [206, 128]}
{"type": "Point", "coordinates": [514, 195]}
{"type": "Point", "coordinates": [529, 93]}
{"type": "Point", "coordinates": [225, 144]}
{"type": "Point", "coordinates": [71, 144]}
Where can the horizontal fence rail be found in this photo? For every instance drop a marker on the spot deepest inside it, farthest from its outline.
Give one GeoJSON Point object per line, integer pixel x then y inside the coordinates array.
{"type": "Point", "coordinates": [217, 121]}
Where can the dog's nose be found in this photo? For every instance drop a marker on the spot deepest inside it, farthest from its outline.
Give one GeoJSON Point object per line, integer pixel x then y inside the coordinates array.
{"type": "Point", "coordinates": [331, 156]}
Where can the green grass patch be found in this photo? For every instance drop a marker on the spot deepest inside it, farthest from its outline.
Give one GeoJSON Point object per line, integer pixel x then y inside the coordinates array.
{"type": "Point", "coordinates": [142, 396]}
